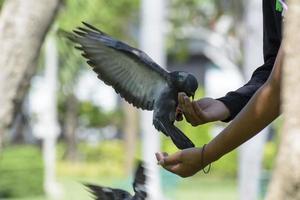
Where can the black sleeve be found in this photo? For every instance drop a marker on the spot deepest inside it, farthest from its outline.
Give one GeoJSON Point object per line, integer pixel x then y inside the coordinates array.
{"type": "Point", "coordinates": [272, 19]}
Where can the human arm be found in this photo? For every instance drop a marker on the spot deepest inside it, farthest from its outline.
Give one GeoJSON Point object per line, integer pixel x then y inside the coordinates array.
{"type": "Point", "coordinates": [272, 36]}
{"type": "Point", "coordinates": [232, 103]}
{"type": "Point", "coordinates": [261, 110]}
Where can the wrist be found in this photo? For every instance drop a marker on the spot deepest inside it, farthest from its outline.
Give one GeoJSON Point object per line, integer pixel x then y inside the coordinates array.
{"type": "Point", "coordinates": [205, 156]}
{"type": "Point", "coordinates": [225, 114]}
{"type": "Point", "coordinates": [211, 154]}
{"type": "Point", "coordinates": [205, 164]}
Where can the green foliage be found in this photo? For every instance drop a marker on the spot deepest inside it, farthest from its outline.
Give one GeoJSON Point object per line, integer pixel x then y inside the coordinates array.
{"type": "Point", "coordinates": [109, 150]}
{"type": "Point", "coordinates": [183, 14]}
{"type": "Point", "coordinates": [90, 115]}
{"type": "Point", "coordinates": [102, 160]}
{"type": "Point", "coordinates": [270, 152]}
{"type": "Point", "coordinates": [193, 12]}
{"type": "Point", "coordinates": [190, 14]}
{"type": "Point", "coordinates": [21, 172]}
{"type": "Point", "coordinates": [227, 166]}
{"type": "Point", "coordinates": [271, 147]}
{"type": "Point", "coordinates": [196, 13]}
{"type": "Point", "coordinates": [110, 16]}
{"type": "Point", "coordinates": [93, 116]}
{"type": "Point", "coordinates": [205, 187]}
{"type": "Point", "coordinates": [1, 3]}
{"type": "Point", "coordinates": [113, 17]}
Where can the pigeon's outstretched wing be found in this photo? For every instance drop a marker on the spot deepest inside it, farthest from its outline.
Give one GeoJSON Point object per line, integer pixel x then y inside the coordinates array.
{"type": "Point", "coordinates": [106, 193]}
{"type": "Point", "coordinates": [139, 183]}
{"type": "Point", "coordinates": [128, 70]}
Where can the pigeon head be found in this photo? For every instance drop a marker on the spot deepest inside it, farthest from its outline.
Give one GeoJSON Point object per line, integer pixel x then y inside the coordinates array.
{"type": "Point", "coordinates": [185, 82]}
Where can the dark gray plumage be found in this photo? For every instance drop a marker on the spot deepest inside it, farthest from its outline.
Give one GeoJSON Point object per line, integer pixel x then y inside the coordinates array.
{"type": "Point", "coordinates": [107, 193]}
{"type": "Point", "coordinates": [137, 78]}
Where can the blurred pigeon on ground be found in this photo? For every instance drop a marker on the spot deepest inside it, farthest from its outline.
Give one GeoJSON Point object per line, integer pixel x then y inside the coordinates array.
{"type": "Point", "coordinates": [137, 78]}
{"type": "Point", "coordinates": [107, 193]}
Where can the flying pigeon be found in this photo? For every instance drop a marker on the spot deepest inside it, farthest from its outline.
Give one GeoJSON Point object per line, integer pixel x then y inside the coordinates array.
{"type": "Point", "coordinates": [137, 78]}
{"type": "Point", "coordinates": [107, 193]}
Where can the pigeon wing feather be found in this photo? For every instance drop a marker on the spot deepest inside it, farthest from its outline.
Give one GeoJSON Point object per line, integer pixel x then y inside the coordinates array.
{"type": "Point", "coordinates": [133, 74]}
{"type": "Point", "coordinates": [106, 193]}
{"type": "Point", "coordinates": [139, 184]}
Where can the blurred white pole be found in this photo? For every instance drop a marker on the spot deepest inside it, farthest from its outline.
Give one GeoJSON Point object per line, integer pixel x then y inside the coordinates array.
{"type": "Point", "coordinates": [152, 42]}
{"type": "Point", "coordinates": [251, 153]}
{"type": "Point", "coordinates": [50, 121]}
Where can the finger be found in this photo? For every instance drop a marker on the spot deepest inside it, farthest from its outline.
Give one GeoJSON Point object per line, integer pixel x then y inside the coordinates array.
{"type": "Point", "coordinates": [179, 169]}
{"type": "Point", "coordinates": [179, 117]}
{"type": "Point", "coordinates": [178, 114]}
{"type": "Point", "coordinates": [203, 102]}
{"type": "Point", "coordinates": [160, 156]}
{"type": "Point", "coordinates": [176, 169]}
{"type": "Point", "coordinates": [171, 159]}
{"type": "Point", "coordinates": [189, 110]}
{"type": "Point", "coordinates": [199, 112]}
{"type": "Point", "coordinates": [165, 154]}
{"type": "Point", "coordinates": [179, 109]}
{"type": "Point", "coordinates": [181, 96]}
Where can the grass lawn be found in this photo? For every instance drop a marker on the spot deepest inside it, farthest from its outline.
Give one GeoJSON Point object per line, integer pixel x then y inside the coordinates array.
{"type": "Point", "coordinates": [206, 188]}
{"type": "Point", "coordinates": [196, 188]}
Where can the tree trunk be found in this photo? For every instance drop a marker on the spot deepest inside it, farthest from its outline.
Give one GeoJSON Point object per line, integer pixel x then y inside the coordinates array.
{"type": "Point", "coordinates": [70, 128]}
{"type": "Point", "coordinates": [23, 26]}
{"type": "Point", "coordinates": [286, 178]}
{"type": "Point", "coordinates": [18, 127]}
{"type": "Point", "coordinates": [130, 130]}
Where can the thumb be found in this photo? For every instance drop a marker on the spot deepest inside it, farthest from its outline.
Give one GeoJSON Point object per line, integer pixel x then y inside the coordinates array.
{"type": "Point", "coordinates": [198, 110]}
{"type": "Point", "coordinates": [174, 168]}
{"type": "Point", "coordinates": [160, 156]}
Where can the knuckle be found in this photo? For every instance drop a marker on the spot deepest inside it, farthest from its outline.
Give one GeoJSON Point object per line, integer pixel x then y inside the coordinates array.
{"type": "Point", "coordinates": [180, 155]}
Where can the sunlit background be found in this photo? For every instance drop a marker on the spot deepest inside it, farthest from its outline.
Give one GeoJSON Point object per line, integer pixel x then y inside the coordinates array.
{"type": "Point", "coordinates": [71, 128]}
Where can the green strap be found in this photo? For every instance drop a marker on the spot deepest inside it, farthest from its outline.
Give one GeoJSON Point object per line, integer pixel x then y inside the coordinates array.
{"type": "Point", "coordinates": [279, 7]}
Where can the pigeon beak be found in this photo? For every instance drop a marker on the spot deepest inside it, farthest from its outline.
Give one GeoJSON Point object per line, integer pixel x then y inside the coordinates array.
{"type": "Point", "coordinates": [193, 96]}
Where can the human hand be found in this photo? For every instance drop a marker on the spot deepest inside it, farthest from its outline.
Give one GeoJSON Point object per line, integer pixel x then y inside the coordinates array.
{"type": "Point", "coordinates": [201, 111]}
{"type": "Point", "coordinates": [184, 163]}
